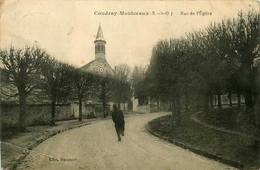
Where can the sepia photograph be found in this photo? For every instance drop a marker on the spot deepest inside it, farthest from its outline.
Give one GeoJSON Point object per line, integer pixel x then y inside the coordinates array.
{"type": "Point", "coordinates": [130, 85]}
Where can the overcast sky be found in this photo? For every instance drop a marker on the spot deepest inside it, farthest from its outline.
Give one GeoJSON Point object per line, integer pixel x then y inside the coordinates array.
{"type": "Point", "coordinates": [67, 29]}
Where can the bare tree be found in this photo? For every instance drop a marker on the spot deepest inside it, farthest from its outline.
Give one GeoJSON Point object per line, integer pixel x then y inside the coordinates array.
{"type": "Point", "coordinates": [22, 67]}
{"type": "Point", "coordinates": [56, 81]}
{"type": "Point", "coordinates": [123, 72]}
{"type": "Point", "coordinates": [121, 84]}
{"type": "Point", "coordinates": [246, 38]}
{"type": "Point", "coordinates": [83, 83]}
{"type": "Point", "coordinates": [138, 83]}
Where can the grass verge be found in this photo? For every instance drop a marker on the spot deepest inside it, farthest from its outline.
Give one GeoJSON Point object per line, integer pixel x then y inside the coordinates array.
{"type": "Point", "coordinates": [15, 148]}
{"type": "Point", "coordinates": [231, 119]}
{"type": "Point", "coordinates": [227, 148]}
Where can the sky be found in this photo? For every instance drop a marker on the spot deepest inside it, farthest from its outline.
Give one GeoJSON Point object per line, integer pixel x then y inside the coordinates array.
{"type": "Point", "coordinates": [67, 29]}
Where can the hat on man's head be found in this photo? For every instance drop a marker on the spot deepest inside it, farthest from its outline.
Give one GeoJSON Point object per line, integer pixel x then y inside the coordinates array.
{"type": "Point", "coordinates": [114, 106]}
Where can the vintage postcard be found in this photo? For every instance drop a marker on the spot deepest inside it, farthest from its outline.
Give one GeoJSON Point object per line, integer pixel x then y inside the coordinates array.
{"type": "Point", "coordinates": [130, 84]}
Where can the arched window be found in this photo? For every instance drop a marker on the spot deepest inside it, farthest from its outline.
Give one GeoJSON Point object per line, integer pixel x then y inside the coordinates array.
{"type": "Point", "coordinates": [102, 48]}
{"type": "Point", "coordinates": [98, 47]}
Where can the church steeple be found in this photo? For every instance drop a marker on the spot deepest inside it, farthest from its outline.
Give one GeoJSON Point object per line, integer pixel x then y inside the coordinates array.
{"type": "Point", "coordinates": [100, 45]}
{"type": "Point", "coordinates": [99, 65]}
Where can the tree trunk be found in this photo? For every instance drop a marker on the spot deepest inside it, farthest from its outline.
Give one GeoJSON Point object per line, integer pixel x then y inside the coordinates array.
{"type": "Point", "coordinates": [206, 102]}
{"type": "Point", "coordinates": [257, 116]}
{"type": "Point", "coordinates": [187, 101]}
{"type": "Point", "coordinates": [118, 104]}
{"type": "Point", "coordinates": [249, 99]}
{"type": "Point", "coordinates": [103, 93]}
{"type": "Point", "coordinates": [215, 100]}
{"type": "Point", "coordinates": [22, 107]}
{"type": "Point", "coordinates": [248, 83]}
{"type": "Point", "coordinates": [80, 108]}
{"type": "Point", "coordinates": [173, 107]}
{"type": "Point", "coordinates": [230, 98]}
{"type": "Point", "coordinates": [178, 108]}
{"type": "Point", "coordinates": [219, 100]}
{"type": "Point", "coordinates": [157, 103]}
{"type": "Point", "coordinates": [211, 100]}
{"type": "Point", "coordinates": [238, 100]}
{"type": "Point", "coordinates": [53, 112]}
{"type": "Point", "coordinates": [200, 102]}
{"type": "Point", "coordinates": [104, 105]}
{"type": "Point", "coordinates": [256, 98]}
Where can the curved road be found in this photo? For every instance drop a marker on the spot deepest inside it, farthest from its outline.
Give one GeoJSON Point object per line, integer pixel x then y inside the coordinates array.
{"type": "Point", "coordinates": [96, 147]}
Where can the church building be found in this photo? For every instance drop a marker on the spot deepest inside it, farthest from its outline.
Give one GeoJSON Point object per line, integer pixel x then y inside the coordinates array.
{"type": "Point", "coordinates": [99, 65]}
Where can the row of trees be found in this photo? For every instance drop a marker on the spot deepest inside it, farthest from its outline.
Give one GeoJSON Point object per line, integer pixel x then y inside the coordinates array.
{"type": "Point", "coordinates": [33, 71]}
{"type": "Point", "coordinates": [139, 85]}
{"type": "Point", "coordinates": [217, 60]}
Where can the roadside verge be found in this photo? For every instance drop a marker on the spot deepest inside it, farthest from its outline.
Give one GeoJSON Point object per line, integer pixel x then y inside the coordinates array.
{"type": "Point", "coordinates": [220, 146]}
{"type": "Point", "coordinates": [15, 149]}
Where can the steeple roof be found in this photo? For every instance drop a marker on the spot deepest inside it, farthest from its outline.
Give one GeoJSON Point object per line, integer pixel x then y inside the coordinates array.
{"type": "Point", "coordinates": [100, 34]}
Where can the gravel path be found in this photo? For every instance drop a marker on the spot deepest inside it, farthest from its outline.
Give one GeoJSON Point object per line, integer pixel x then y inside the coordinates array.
{"type": "Point", "coordinates": [96, 147]}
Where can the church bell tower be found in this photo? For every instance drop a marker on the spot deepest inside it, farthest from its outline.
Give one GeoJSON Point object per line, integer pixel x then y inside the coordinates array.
{"type": "Point", "coordinates": [100, 45]}
{"type": "Point", "coordinates": [99, 65]}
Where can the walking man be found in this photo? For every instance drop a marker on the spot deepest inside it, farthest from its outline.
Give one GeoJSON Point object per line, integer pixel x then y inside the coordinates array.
{"type": "Point", "coordinates": [118, 119]}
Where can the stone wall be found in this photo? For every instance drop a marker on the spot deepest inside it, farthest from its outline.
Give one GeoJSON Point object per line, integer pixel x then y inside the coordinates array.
{"type": "Point", "coordinates": [37, 114]}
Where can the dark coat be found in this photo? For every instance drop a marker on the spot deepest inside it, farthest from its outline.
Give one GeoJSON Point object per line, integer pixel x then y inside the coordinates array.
{"type": "Point", "coordinates": [118, 118]}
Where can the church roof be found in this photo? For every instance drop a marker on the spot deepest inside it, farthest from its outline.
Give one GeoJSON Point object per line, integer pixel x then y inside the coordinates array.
{"type": "Point", "coordinates": [86, 66]}
{"type": "Point", "coordinates": [94, 66]}
{"type": "Point", "coordinates": [100, 35]}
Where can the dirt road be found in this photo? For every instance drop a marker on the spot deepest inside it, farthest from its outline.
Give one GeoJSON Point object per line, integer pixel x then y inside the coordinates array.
{"type": "Point", "coordinates": [96, 147]}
